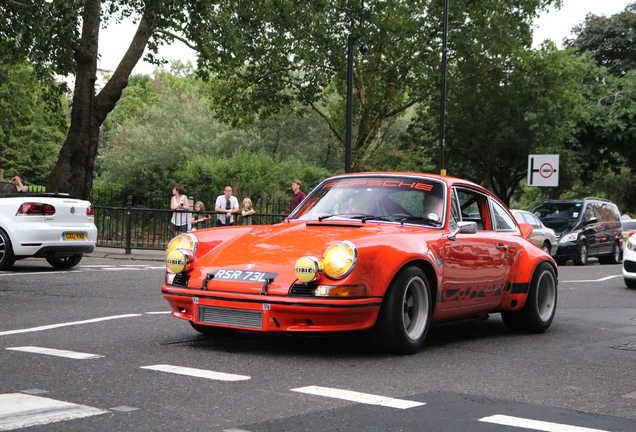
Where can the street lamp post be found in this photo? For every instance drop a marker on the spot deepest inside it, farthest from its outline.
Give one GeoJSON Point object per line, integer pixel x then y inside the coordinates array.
{"type": "Point", "coordinates": [351, 41]}
{"type": "Point", "coordinates": [442, 109]}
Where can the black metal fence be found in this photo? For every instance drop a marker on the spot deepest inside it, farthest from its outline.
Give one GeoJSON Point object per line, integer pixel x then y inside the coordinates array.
{"type": "Point", "coordinates": [143, 228]}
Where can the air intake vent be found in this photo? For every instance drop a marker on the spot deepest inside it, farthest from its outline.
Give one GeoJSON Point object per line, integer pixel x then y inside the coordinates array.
{"type": "Point", "coordinates": [231, 317]}
{"type": "Point", "coordinates": [302, 290]}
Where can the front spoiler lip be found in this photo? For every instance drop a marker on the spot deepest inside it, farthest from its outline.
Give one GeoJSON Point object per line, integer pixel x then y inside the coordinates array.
{"type": "Point", "coordinates": [328, 302]}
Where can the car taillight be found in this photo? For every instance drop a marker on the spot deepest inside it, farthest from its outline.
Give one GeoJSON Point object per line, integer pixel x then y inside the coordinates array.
{"type": "Point", "coordinates": [36, 209]}
{"type": "Point", "coordinates": [89, 211]}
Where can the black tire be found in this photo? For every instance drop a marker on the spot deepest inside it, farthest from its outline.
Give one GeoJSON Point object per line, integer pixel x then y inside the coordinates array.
{"type": "Point", "coordinates": [538, 312]}
{"type": "Point", "coordinates": [7, 258]}
{"type": "Point", "coordinates": [560, 261]}
{"type": "Point", "coordinates": [405, 315]}
{"type": "Point", "coordinates": [581, 256]}
{"type": "Point", "coordinates": [212, 330]}
{"type": "Point", "coordinates": [630, 283]}
{"type": "Point", "coordinates": [546, 247]}
{"type": "Point", "coordinates": [614, 258]}
{"type": "Point", "coordinates": [65, 262]}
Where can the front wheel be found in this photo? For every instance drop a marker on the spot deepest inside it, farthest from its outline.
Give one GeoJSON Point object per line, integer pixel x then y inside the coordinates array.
{"type": "Point", "coordinates": [65, 262]}
{"type": "Point", "coordinates": [406, 312]}
{"type": "Point", "coordinates": [630, 283]}
{"type": "Point", "coordinates": [538, 312]}
{"type": "Point", "coordinates": [581, 257]}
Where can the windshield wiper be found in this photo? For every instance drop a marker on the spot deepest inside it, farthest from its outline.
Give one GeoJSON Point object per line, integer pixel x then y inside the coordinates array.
{"type": "Point", "coordinates": [420, 219]}
{"type": "Point", "coordinates": [350, 215]}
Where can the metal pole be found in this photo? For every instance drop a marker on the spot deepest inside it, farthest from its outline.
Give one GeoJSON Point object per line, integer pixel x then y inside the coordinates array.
{"type": "Point", "coordinates": [442, 109]}
{"type": "Point", "coordinates": [351, 40]}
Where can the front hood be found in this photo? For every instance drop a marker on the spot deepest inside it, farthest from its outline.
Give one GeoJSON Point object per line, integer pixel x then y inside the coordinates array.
{"type": "Point", "coordinates": [560, 226]}
{"type": "Point", "coordinates": [275, 249]}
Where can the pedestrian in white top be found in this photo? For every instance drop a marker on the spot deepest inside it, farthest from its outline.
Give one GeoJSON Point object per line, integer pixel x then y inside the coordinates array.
{"type": "Point", "coordinates": [181, 205]}
{"type": "Point", "coordinates": [226, 205]}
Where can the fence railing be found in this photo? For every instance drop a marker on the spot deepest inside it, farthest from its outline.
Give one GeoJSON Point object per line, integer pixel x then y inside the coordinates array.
{"type": "Point", "coordinates": [142, 228]}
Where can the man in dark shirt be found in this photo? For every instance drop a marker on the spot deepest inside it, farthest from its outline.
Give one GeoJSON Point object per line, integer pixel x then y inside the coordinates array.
{"type": "Point", "coordinates": [298, 194]}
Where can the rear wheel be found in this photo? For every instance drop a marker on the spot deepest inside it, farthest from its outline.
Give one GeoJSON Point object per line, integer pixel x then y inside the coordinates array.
{"type": "Point", "coordinates": [538, 312]}
{"type": "Point", "coordinates": [581, 257]}
{"type": "Point", "coordinates": [546, 247]}
{"type": "Point", "coordinates": [630, 283]}
{"type": "Point", "coordinates": [65, 262]}
{"type": "Point", "coordinates": [406, 312]}
{"type": "Point", "coordinates": [613, 258]}
{"type": "Point", "coordinates": [7, 258]}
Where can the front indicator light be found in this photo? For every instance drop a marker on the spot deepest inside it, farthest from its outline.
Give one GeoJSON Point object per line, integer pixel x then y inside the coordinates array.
{"type": "Point", "coordinates": [341, 291]}
{"type": "Point", "coordinates": [340, 259]}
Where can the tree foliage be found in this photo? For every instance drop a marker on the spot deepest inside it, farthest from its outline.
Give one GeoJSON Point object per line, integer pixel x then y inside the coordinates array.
{"type": "Point", "coordinates": [609, 40]}
{"type": "Point", "coordinates": [33, 122]}
{"type": "Point", "coordinates": [271, 53]}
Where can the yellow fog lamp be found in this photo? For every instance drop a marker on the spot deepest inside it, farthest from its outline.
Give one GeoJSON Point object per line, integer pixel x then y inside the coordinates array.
{"type": "Point", "coordinates": [307, 269]}
{"type": "Point", "coordinates": [180, 260]}
{"type": "Point", "coordinates": [340, 259]}
{"type": "Point", "coordinates": [341, 291]}
{"type": "Point", "coordinates": [180, 253]}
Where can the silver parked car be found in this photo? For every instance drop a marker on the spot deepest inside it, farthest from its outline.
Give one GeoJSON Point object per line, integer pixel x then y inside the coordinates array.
{"type": "Point", "coordinates": [542, 236]}
{"type": "Point", "coordinates": [629, 227]}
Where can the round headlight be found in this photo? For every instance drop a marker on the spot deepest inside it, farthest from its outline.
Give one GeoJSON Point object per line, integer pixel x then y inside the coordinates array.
{"type": "Point", "coordinates": [340, 259]}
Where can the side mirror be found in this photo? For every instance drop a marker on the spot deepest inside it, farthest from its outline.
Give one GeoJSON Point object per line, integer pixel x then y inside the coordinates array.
{"type": "Point", "coordinates": [463, 228]}
{"type": "Point", "coordinates": [592, 220]}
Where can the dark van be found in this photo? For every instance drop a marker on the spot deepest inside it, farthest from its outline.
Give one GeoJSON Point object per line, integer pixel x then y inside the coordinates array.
{"type": "Point", "coordinates": [588, 227]}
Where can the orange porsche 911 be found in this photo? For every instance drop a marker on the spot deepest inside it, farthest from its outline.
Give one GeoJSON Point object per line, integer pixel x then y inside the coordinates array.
{"type": "Point", "coordinates": [391, 253]}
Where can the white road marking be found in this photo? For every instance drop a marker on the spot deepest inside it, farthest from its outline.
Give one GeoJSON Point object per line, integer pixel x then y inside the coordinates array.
{"type": "Point", "coordinates": [56, 352]}
{"type": "Point", "coordinates": [72, 323]}
{"type": "Point", "coordinates": [158, 313]}
{"type": "Point", "coordinates": [19, 411]}
{"type": "Point", "coordinates": [592, 280]}
{"type": "Point", "coordinates": [535, 424]}
{"type": "Point", "coordinates": [199, 373]}
{"type": "Point", "coordinates": [353, 396]}
{"type": "Point", "coordinates": [40, 273]}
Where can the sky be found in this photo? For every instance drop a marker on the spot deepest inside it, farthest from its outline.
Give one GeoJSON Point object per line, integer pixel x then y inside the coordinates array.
{"type": "Point", "coordinates": [554, 24]}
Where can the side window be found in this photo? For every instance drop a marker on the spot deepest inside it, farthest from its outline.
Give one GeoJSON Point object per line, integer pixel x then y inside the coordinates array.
{"type": "Point", "coordinates": [608, 213]}
{"type": "Point", "coordinates": [533, 221]}
{"type": "Point", "coordinates": [456, 213]}
{"type": "Point", "coordinates": [473, 207]}
{"type": "Point", "coordinates": [503, 221]}
{"type": "Point", "coordinates": [590, 212]}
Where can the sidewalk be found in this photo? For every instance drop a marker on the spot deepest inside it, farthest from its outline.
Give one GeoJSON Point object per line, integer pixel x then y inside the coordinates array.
{"type": "Point", "coordinates": [120, 253]}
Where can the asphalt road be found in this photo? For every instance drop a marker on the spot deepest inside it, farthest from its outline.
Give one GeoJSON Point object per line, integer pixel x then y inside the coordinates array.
{"type": "Point", "coordinates": [94, 349]}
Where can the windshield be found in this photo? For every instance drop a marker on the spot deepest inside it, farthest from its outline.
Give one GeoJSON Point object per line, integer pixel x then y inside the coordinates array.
{"type": "Point", "coordinates": [564, 211]}
{"type": "Point", "coordinates": [399, 199]}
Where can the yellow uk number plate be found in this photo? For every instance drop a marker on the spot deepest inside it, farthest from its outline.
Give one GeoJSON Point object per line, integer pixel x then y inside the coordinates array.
{"type": "Point", "coordinates": [75, 236]}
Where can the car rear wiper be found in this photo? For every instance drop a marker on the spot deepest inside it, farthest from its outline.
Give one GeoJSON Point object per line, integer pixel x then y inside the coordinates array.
{"type": "Point", "coordinates": [420, 219]}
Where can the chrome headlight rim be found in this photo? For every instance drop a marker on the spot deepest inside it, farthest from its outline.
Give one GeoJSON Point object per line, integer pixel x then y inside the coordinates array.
{"type": "Point", "coordinates": [352, 264]}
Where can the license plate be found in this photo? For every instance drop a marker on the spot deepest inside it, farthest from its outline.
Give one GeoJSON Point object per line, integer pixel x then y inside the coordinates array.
{"type": "Point", "coordinates": [243, 275]}
{"type": "Point", "coordinates": [75, 236]}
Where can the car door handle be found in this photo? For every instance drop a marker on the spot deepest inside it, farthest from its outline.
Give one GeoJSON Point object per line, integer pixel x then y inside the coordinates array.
{"type": "Point", "coordinates": [503, 247]}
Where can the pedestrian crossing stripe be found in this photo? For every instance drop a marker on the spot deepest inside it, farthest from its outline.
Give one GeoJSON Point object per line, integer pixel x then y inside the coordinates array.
{"type": "Point", "coordinates": [21, 410]}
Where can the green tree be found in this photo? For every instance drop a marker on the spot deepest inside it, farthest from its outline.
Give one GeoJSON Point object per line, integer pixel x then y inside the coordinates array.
{"type": "Point", "coordinates": [273, 52]}
{"type": "Point", "coordinates": [33, 122]}
{"type": "Point", "coordinates": [503, 108]}
{"type": "Point", "coordinates": [610, 40]}
{"type": "Point", "coordinates": [62, 36]}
